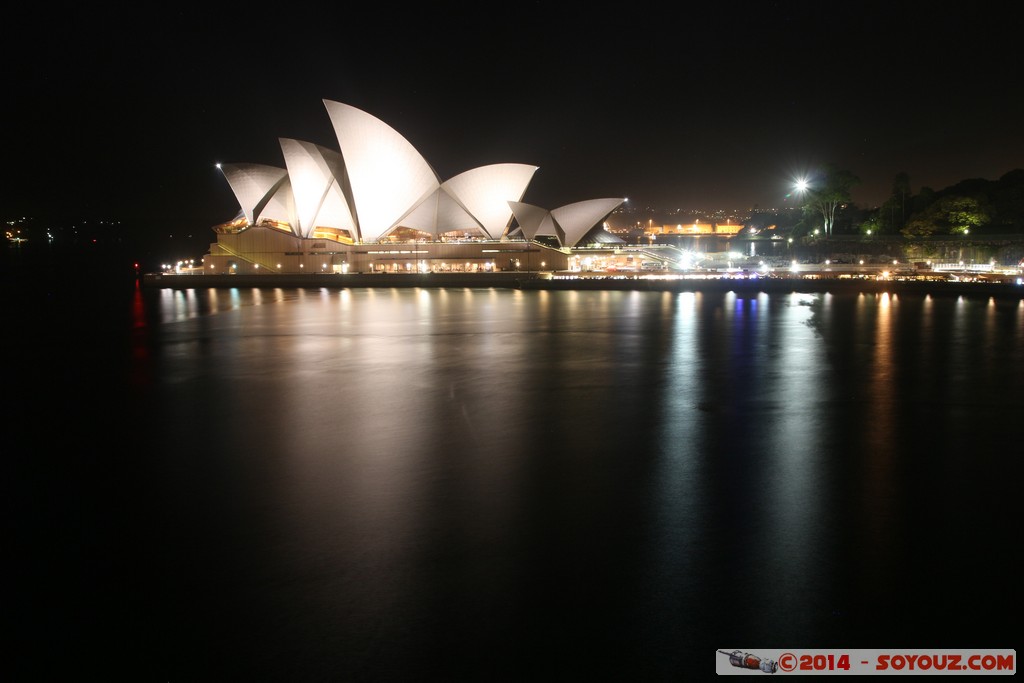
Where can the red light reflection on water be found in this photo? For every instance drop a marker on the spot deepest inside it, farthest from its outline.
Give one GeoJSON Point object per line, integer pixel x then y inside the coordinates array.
{"type": "Point", "coordinates": [141, 370]}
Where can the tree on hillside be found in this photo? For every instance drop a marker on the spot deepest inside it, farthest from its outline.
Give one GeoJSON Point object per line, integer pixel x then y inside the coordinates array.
{"type": "Point", "coordinates": [827, 193]}
{"type": "Point", "coordinates": [922, 200]}
{"type": "Point", "coordinates": [898, 201]}
{"type": "Point", "coordinates": [921, 225]}
{"type": "Point", "coordinates": [953, 215]}
{"type": "Point", "coordinates": [963, 214]}
{"type": "Point", "coordinates": [872, 224]}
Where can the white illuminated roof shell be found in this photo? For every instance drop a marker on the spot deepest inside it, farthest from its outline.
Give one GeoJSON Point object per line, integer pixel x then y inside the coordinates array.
{"type": "Point", "coordinates": [569, 223]}
{"type": "Point", "coordinates": [533, 220]}
{"type": "Point", "coordinates": [387, 174]}
{"type": "Point", "coordinates": [280, 206]}
{"type": "Point", "coordinates": [334, 212]}
{"type": "Point", "coordinates": [314, 172]}
{"type": "Point", "coordinates": [485, 192]}
{"type": "Point", "coordinates": [379, 182]}
{"type": "Point", "coordinates": [440, 213]}
{"type": "Point", "coordinates": [578, 219]}
{"type": "Point", "coordinates": [254, 186]}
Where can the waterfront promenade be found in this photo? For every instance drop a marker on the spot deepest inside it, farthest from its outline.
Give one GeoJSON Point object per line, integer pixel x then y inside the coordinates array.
{"type": "Point", "coordinates": [591, 281]}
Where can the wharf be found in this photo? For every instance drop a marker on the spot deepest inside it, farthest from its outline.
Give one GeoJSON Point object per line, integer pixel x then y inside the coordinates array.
{"type": "Point", "coordinates": [555, 282]}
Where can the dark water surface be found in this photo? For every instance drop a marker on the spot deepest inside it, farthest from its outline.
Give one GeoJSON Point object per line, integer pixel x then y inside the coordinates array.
{"type": "Point", "coordinates": [306, 484]}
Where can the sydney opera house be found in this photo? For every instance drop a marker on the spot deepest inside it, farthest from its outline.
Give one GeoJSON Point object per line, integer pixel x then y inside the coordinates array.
{"type": "Point", "coordinates": [377, 206]}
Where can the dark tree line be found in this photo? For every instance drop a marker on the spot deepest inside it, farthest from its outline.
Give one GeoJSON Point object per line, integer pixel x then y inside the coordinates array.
{"type": "Point", "coordinates": [971, 207]}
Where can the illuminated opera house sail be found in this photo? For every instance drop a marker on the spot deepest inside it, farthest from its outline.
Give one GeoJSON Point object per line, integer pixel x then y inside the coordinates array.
{"type": "Point", "coordinates": [377, 205]}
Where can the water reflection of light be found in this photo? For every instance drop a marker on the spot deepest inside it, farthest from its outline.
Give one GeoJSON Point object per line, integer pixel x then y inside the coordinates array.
{"type": "Point", "coordinates": [213, 299]}
{"type": "Point", "coordinates": [179, 305]}
{"type": "Point", "coordinates": [796, 357]}
{"type": "Point", "coordinates": [925, 355]}
{"type": "Point", "coordinates": [423, 303]}
{"type": "Point", "coordinates": [141, 359]}
{"type": "Point", "coordinates": [762, 321]}
{"type": "Point", "coordinates": [991, 320]}
{"type": "Point", "coordinates": [636, 300]}
{"type": "Point", "coordinates": [730, 302]}
{"type": "Point", "coordinates": [680, 491]}
{"type": "Point", "coordinates": [959, 341]}
{"type": "Point", "coordinates": [881, 438]}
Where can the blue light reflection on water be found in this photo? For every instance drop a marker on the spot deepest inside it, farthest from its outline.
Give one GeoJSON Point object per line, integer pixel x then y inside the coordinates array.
{"type": "Point", "coordinates": [613, 478]}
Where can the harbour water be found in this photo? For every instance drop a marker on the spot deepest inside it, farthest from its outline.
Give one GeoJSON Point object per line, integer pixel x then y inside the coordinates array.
{"type": "Point", "coordinates": [496, 484]}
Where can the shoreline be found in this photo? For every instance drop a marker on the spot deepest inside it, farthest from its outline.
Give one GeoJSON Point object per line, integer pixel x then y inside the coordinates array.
{"type": "Point", "coordinates": [538, 282]}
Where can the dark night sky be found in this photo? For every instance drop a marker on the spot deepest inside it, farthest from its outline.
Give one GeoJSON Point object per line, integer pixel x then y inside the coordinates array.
{"type": "Point", "coordinates": [123, 114]}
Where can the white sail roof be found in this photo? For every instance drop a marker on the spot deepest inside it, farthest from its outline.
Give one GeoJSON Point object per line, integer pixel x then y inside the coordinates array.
{"type": "Point", "coordinates": [388, 176]}
{"type": "Point", "coordinates": [314, 172]}
{"type": "Point", "coordinates": [280, 206]}
{"type": "Point", "coordinates": [534, 220]}
{"type": "Point", "coordinates": [485, 192]}
{"type": "Point", "coordinates": [578, 219]}
{"type": "Point", "coordinates": [379, 182]}
{"type": "Point", "coordinates": [569, 223]}
{"type": "Point", "coordinates": [254, 186]}
{"type": "Point", "coordinates": [440, 213]}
